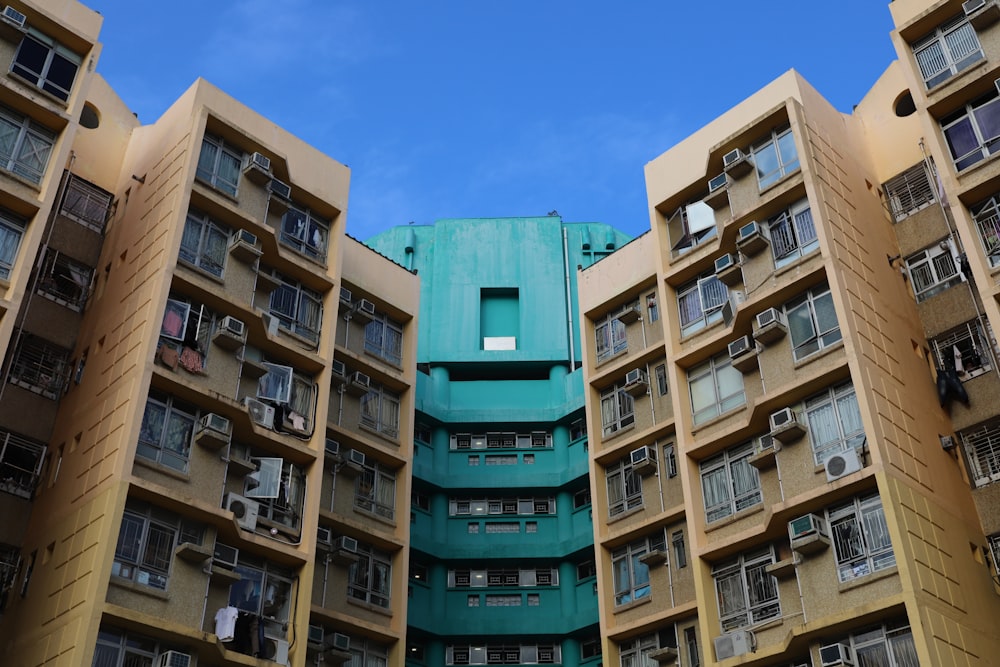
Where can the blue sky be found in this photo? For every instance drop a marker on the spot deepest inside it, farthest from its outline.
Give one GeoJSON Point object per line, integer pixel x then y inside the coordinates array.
{"type": "Point", "coordinates": [472, 108]}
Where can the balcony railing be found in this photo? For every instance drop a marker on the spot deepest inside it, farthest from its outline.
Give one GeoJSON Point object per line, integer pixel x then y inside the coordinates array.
{"type": "Point", "coordinates": [20, 464]}
{"type": "Point", "coordinates": [989, 234]}
{"type": "Point", "coordinates": [39, 366]}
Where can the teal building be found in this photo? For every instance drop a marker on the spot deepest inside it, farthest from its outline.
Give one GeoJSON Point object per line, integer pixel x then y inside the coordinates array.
{"type": "Point", "coordinates": [502, 548]}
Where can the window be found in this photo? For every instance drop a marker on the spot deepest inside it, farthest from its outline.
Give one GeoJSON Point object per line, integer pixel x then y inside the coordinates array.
{"type": "Point", "coordinates": [949, 49]}
{"type": "Point", "coordinates": [700, 303]}
{"type": "Point", "coordinates": [617, 410]}
{"type": "Point", "coordinates": [932, 271]}
{"type": "Point", "coordinates": [691, 642]}
{"type": "Point", "coordinates": [729, 483]}
{"type": "Point", "coordinates": [909, 192]}
{"type": "Point", "coordinates": [278, 488]}
{"type": "Point", "coordinates": [293, 392]}
{"type": "Point", "coordinates": [39, 366]}
{"type": "Point", "coordinates": [86, 203]}
{"type": "Point", "coordinates": [368, 653]}
{"type": "Point", "coordinates": [581, 499]}
{"type": "Point", "coordinates": [834, 422]}
{"type": "Point", "coordinates": [987, 217]}
{"type": "Point", "coordinates": [670, 458]}
{"type": "Point", "coordinates": [43, 62]}
{"type": "Point", "coordinates": [982, 447]}
{"type": "Point", "coordinates": [624, 487]}
{"type": "Point", "coordinates": [716, 387]}
{"type": "Point", "coordinates": [116, 648]}
{"type": "Point", "coordinates": [204, 243]}
{"type": "Point", "coordinates": [812, 322]}
{"type": "Point", "coordinates": [375, 489]}
{"type": "Point", "coordinates": [746, 593]}
{"type": "Point", "coordinates": [635, 652]}
{"type": "Point", "coordinates": [167, 427]}
{"type": "Point", "coordinates": [631, 575]}
{"type": "Point", "coordinates": [380, 411]}
{"type": "Point", "coordinates": [298, 308]}
{"type": "Point", "coordinates": [303, 231]}
{"type": "Point", "coordinates": [691, 225]}
{"type": "Point", "coordinates": [964, 348]}
{"type": "Point", "coordinates": [660, 373]}
{"type": "Point", "coordinates": [219, 165]}
{"type": "Point", "coordinates": [680, 552]}
{"type": "Point", "coordinates": [369, 577]}
{"type": "Point", "coordinates": [860, 537]}
{"type": "Point", "coordinates": [888, 645]}
{"type": "Point", "coordinates": [264, 590]}
{"type": "Point", "coordinates": [775, 157]}
{"type": "Point", "coordinates": [651, 308]}
{"type": "Point", "coordinates": [63, 279]}
{"type": "Point", "coordinates": [145, 547]}
{"type": "Point", "coordinates": [585, 570]}
{"type": "Point", "coordinates": [20, 466]}
{"type": "Point", "coordinates": [384, 339]}
{"type": "Point", "coordinates": [611, 338]}
{"type": "Point", "coordinates": [11, 230]}
{"type": "Point", "coordinates": [793, 234]}
{"type": "Point", "coordinates": [24, 145]}
{"type": "Point", "coordinates": [972, 131]}
{"type": "Point", "coordinates": [590, 648]}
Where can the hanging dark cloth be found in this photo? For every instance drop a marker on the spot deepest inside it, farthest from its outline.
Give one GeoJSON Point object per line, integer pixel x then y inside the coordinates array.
{"type": "Point", "coordinates": [950, 387]}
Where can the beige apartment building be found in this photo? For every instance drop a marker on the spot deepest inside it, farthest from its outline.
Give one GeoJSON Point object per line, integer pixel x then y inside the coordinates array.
{"type": "Point", "coordinates": [207, 386]}
{"type": "Point", "coordinates": [793, 380]}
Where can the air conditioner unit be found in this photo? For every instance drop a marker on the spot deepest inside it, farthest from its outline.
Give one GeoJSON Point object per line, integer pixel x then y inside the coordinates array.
{"type": "Point", "coordinates": [732, 304]}
{"type": "Point", "coordinates": [356, 457]}
{"type": "Point", "coordinates": [341, 642]}
{"type": "Point", "coordinates": [271, 323]}
{"type": "Point", "coordinates": [345, 543]}
{"type": "Point", "coordinates": [339, 369]}
{"type": "Point", "coordinates": [275, 649]}
{"type": "Point", "coordinates": [947, 442]}
{"type": "Point", "coordinates": [643, 459]}
{"type": "Point", "coordinates": [244, 509]}
{"type": "Point", "coordinates": [841, 464]}
{"type": "Point", "coordinates": [808, 534]}
{"type": "Point", "coordinates": [14, 17]}
{"type": "Point", "coordinates": [324, 536]}
{"type": "Point", "coordinates": [225, 555]}
{"type": "Point", "coordinates": [836, 655]}
{"type": "Point", "coordinates": [259, 161]}
{"type": "Point", "coordinates": [717, 183]}
{"type": "Point", "coordinates": [315, 637]}
{"type": "Point", "coordinates": [346, 297]}
{"type": "Point", "coordinates": [260, 412]}
{"type": "Point", "coordinates": [782, 418]}
{"type": "Point", "coordinates": [332, 447]}
{"type": "Point", "coordinates": [279, 189]}
{"type": "Point", "coordinates": [727, 261]}
{"type": "Point", "coordinates": [628, 314]}
{"type": "Point", "coordinates": [770, 326]}
{"type": "Point", "coordinates": [359, 383]}
{"type": "Point", "coordinates": [731, 644]}
{"type": "Point", "coordinates": [732, 157]}
{"type": "Point", "coordinates": [364, 309]}
{"type": "Point", "coordinates": [751, 238]}
{"type": "Point", "coordinates": [216, 423]}
{"type": "Point", "coordinates": [234, 326]}
{"type": "Point", "coordinates": [740, 346]}
{"type": "Point", "coordinates": [785, 426]}
{"type": "Point", "coordinates": [174, 659]}
{"type": "Point", "coordinates": [973, 6]}
{"type": "Point", "coordinates": [244, 236]}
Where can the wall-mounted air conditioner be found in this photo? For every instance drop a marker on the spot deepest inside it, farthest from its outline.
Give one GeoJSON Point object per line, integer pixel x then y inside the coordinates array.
{"type": "Point", "coordinates": [751, 238]}
{"type": "Point", "coordinates": [244, 245]}
{"type": "Point", "coordinates": [771, 326]}
{"type": "Point", "coordinates": [244, 510]}
{"type": "Point", "coordinates": [731, 644]}
{"type": "Point", "coordinates": [271, 323]}
{"type": "Point", "coordinates": [718, 183]}
{"type": "Point", "coordinates": [275, 649]}
{"type": "Point", "coordinates": [356, 458]}
{"type": "Point", "coordinates": [261, 413]}
{"type": "Point", "coordinates": [629, 313]}
{"type": "Point", "coordinates": [808, 533]}
{"type": "Point", "coordinates": [332, 447]}
{"type": "Point", "coordinates": [280, 189]}
{"type": "Point", "coordinates": [13, 17]}
{"type": "Point", "coordinates": [174, 659]}
{"type": "Point", "coordinates": [341, 642]}
{"type": "Point", "coordinates": [315, 637]}
{"type": "Point", "coordinates": [345, 543]}
{"type": "Point", "coordinates": [972, 6]}
{"type": "Point", "coordinates": [947, 442]}
{"type": "Point", "coordinates": [233, 326]}
{"type": "Point", "coordinates": [836, 655]}
{"type": "Point", "coordinates": [225, 555]}
{"type": "Point", "coordinates": [339, 369]}
{"type": "Point", "coordinates": [643, 460]}
{"type": "Point", "coordinates": [216, 423]}
{"type": "Point", "coordinates": [785, 426]}
{"type": "Point", "coordinates": [324, 537]}
{"type": "Point", "coordinates": [732, 157]}
{"type": "Point", "coordinates": [841, 464]}
{"type": "Point", "coordinates": [346, 297]}
{"type": "Point", "coordinates": [259, 161]}
{"type": "Point", "coordinates": [724, 262]}
{"type": "Point", "coordinates": [740, 347]}
{"type": "Point", "coordinates": [359, 384]}
{"type": "Point", "coordinates": [635, 382]}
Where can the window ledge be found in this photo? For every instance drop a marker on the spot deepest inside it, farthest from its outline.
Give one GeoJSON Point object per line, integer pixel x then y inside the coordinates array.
{"type": "Point", "coordinates": [605, 359]}
{"type": "Point", "coordinates": [868, 578]}
{"type": "Point", "coordinates": [222, 193]}
{"type": "Point", "coordinates": [733, 518]}
{"type": "Point", "coordinates": [715, 420]}
{"type": "Point", "coordinates": [799, 261]}
{"type": "Point", "coordinates": [374, 515]}
{"type": "Point", "coordinates": [819, 354]}
{"type": "Point", "coordinates": [159, 467]}
{"type": "Point", "coordinates": [388, 438]}
{"type": "Point", "coordinates": [972, 168]}
{"type": "Point", "coordinates": [627, 513]}
{"type": "Point", "coordinates": [614, 434]}
{"type": "Point", "coordinates": [370, 607]}
{"type": "Point", "coordinates": [303, 341]}
{"type": "Point", "coordinates": [21, 179]}
{"type": "Point", "coordinates": [646, 599]}
{"type": "Point", "coordinates": [781, 181]}
{"type": "Point", "coordinates": [35, 90]}
{"type": "Point", "coordinates": [202, 272]}
{"type": "Point", "coordinates": [128, 584]}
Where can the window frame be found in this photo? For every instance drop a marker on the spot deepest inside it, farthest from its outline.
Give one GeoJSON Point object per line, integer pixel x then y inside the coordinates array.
{"type": "Point", "coordinates": [175, 457]}
{"type": "Point", "coordinates": [859, 525]}
{"type": "Point", "coordinates": [935, 261]}
{"type": "Point", "coordinates": [300, 312]}
{"type": "Point", "coordinates": [384, 339]}
{"type": "Point", "coordinates": [716, 369]}
{"type": "Point", "coordinates": [617, 410]}
{"type": "Point", "coordinates": [369, 579]}
{"type": "Point", "coordinates": [817, 338]}
{"type": "Point", "coordinates": [384, 418]}
{"type": "Point", "coordinates": [777, 143]}
{"type": "Point", "coordinates": [972, 341]}
{"type": "Point", "coordinates": [41, 78]}
{"type": "Point", "coordinates": [839, 398]}
{"type": "Point", "coordinates": [11, 233]}
{"type": "Point", "coordinates": [209, 170]}
{"type": "Point", "coordinates": [697, 316]}
{"type": "Point", "coordinates": [143, 567]}
{"type": "Point", "coordinates": [611, 337]}
{"type": "Point", "coordinates": [16, 451]}
{"type": "Point", "coordinates": [39, 365]}
{"type": "Point", "coordinates": [31, 139]}
{"type": "Point", "coordinates": [210, 243]}
{"type": "Point", "coordinates": [630, 576]}
{"type": "Point", "coordinates": [795, 231]}
{"type": "Point", "coordinates": [744, 608]}
{"type": "Point", "coordinates": [949, 63]}
{"type": "Point", "coordinates": [730, 467]}
{"type": "Point", "coordinates": [375, 489]}
{"type": "Point", "coordinates": [305, 224]}
{"type": "Point", "coordinates": [624, 487]}
{"type": "Point", "coordinates": [981, 444]}
{"type": "Point", "coordinates": [974, 114]}
{"type": "Point", "coordinates": [986, 216]}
